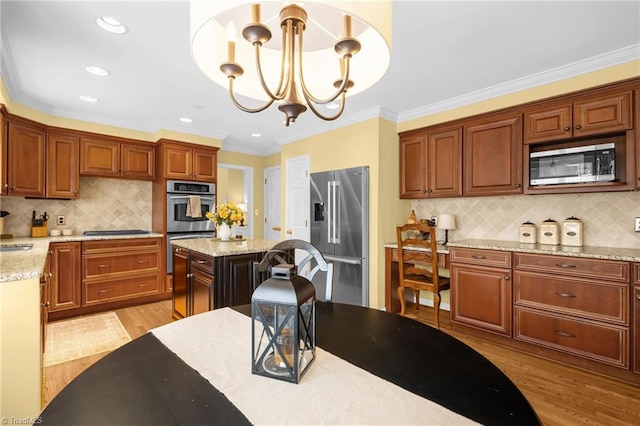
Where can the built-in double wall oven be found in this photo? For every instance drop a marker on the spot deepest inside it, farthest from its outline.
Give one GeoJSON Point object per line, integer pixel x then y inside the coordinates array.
{"type": "Point", "coordinates": [183, 220]}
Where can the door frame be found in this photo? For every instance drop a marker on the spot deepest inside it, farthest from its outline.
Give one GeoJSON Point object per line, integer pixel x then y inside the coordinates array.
{"type": "Point", "coordinates": [247, 192]}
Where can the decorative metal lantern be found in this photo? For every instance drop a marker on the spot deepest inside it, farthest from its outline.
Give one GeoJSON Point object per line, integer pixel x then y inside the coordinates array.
{"type": "Point", "coordinates": [283, 326]}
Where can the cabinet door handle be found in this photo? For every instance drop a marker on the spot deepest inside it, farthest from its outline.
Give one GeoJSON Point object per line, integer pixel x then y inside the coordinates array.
{"type": "Point", "coordinates": [578, 127]}
{"type": "Point", "coordinates": [566, 129]}
{"type": "Point", "coordinates": [565, 295]}
{"type": "Point", "coordinates": [478, 256]}
{"type": "Point", "coordinates": [424, 190]}
{"type": "Point", "coordinates": [565, 265]}
{"type": "Point", "coordinates": [507, 278]}
{"type": "Point", "coordinates": [429, 191]}
{"type": "Point", "coordinates": [565, 334]}
{"type": "Point", "coordinates": [638, 296]}
{"type": "Point", "coordinates": [518, 185]}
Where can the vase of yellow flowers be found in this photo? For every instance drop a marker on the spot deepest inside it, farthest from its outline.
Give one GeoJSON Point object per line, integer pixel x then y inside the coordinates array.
{"type": "Point", "coordinates": [224, 217]}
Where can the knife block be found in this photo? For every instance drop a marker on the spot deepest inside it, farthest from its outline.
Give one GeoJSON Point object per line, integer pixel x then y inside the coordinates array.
{"type": "Point", "coordinates": [39, 231]}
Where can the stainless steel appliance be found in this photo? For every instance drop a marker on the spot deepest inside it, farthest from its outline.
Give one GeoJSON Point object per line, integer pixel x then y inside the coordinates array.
{"type": "Point", "coordinates": [591, 163]}
{"type": "Point", "coordinates": [178, 194]}
{"type": "Point", "coordinates": [340, 230]}
{"type": "Point", "coordinates": [181, 226]}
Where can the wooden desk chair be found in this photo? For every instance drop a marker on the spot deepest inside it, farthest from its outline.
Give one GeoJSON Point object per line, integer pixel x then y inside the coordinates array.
{"type": "Point", "coordinates": [418, 268]}
{"type": "Point", "coordinates": [312, 263]}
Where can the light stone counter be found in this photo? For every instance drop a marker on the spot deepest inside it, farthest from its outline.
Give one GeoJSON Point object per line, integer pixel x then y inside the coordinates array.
{"type": "Point", "coordinates": [215, 247]}
{"type": "Point", "coordinates": [606, 253]}
{"type": "Point", "coordinates": [21, 265]}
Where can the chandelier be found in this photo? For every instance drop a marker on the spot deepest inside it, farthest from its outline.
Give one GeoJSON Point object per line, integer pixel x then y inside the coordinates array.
{"type": "Point", "coordinates": [328, 49]}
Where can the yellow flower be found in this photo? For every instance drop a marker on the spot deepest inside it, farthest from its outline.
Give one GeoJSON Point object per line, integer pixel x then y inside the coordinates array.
{"type": "Point", "coordinates": [227, 213]}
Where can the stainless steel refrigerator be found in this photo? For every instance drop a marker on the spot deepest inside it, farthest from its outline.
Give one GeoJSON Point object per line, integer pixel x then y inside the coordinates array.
{"type": "Point", "coordinates": [340, 230]}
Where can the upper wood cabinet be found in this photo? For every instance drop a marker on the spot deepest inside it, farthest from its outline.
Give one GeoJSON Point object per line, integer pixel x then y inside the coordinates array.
{"type": "Point", "coordinates": [110, 158]}
{"type": "Point", "coordinates": [188, 162]}
{"type": "Point", "coordinates": [26, 160]}
{"type": "Point", "coordinates": [63, 172]}
{"type": "Point", "coordinates": [598, 113]}
{"type": "Point", "coordinates": [431, 163]}
{"type": "Point", "coordinates": [493, 155]}
{"type": "Point", "coordinates": [637, 140]}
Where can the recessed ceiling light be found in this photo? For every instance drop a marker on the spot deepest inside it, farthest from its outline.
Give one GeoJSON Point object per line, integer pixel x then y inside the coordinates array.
{"type": "Point", "coordinates": [186, 119]}
{"type": "Point", "coordinates": [87, 98]}
{"type": "Point", "coordinates": [333, 105]}
{"type": "Point", "coordinates": [97, 71]}
{"type": "Point", "coordinates": [112, 25]}
{"type": "Point", "coordinates": [256, 135]}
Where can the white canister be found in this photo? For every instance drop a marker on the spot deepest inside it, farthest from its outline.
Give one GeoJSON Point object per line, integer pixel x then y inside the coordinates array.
{"type": "Point", "coordinates": [549, 233]}
{"type": "Point", "coordinates": [528, 233]}
{"type": "Point", "coordinates": [572, 232]}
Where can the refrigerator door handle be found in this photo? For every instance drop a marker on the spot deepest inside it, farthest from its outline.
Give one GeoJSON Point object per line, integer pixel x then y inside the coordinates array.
{"type": "Point", "coordinates": [336, 212]}
{"type": "Point", "coordinates": [342, 260]}
{"type": "Point", "coordinates": [329, 211]}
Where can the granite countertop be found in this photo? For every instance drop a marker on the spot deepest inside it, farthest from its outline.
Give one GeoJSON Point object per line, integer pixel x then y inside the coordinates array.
{"type": "Point", "coordinates": [605, 253]}
{"type": "Point", "coordinates": [22, 265]}
{"type": "Point", "coordinates": [215, 247]}
{"type": "Point", "coordinates": [439, 248]}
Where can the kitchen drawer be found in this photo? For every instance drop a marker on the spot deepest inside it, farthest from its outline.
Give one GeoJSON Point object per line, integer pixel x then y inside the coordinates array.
{"type": "Point", "coordinates": [597, 300]}
{"type": "Point", "coordinates": [589, 339]}
{"type": "Point", "coordinates": [442, 258]}
{"type": "Point", "coordinates": [576, 267]}
{"type": "Point", "coordinates": [94, 266]}
{"type": "Point", "coordinates": [117, 245]}
{"type": "Point", "coordinates": [495, 258]}
{"type": "Point", "coordinates": [201, 261]}
{"type": "Point", "coordinates": [112, 290]}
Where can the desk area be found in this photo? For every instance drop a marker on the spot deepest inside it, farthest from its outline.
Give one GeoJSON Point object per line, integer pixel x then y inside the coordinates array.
{"type": "Point", "coordinates": [144, 382]}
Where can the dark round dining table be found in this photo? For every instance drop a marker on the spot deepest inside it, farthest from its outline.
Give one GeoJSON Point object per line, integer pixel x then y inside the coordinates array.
{"type": "Point", "coordinates": [144, 383]}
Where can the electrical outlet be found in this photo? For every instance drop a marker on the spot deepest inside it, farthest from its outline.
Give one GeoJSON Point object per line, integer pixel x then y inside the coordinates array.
{"type": "Point", "coordinates": [62, 220]}
{"type": "Point", "coordinates": [637, 228]}
{"type": "Point", "coordinates": [434, 220]}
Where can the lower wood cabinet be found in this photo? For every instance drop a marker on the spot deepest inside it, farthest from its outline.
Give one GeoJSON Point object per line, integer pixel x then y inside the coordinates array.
{"type": "Point", "coordinates": [202, 283]}
{"type": "Point", "coordinates": [481, 289]}
{"type": "Point", "coordinates": [574, 305]}
{"type": "Point", "coordinates": [120, 269]}
{"type": "Point", "coordinates": [65, 283]}
{"type": "Point", "coordinates": [636, 318]}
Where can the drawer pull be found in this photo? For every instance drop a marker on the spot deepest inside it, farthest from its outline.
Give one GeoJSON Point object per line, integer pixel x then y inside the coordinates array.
{"type": "Point", "coordinates": [564, 334]}
{"type": "Point", "coordinates": [565, 265]}
{"type": "Point", "coordinates": [143, 261]}
{"type": "Point", "coordinates": [638, 296]}
{"type": "Point", "coordinates": [565, 295]}
{"type": "Point", "coordinates": [200, 261]}
{"type": "Point", "coordinates": [103, 266]}
{"type": "Point", "coordinates": [103, 291]}
{"type": "Point", "coordinates": [143, 284]}
{"type": "Point", "coordinates": [478, 256]}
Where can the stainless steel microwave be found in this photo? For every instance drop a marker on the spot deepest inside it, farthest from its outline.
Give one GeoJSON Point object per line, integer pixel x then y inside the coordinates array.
{"type": "Point", "coordinates": [591, 163]}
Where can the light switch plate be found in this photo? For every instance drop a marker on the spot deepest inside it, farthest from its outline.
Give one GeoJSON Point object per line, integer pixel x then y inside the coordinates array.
{"type": "Point", "coordinates": [637, 228]}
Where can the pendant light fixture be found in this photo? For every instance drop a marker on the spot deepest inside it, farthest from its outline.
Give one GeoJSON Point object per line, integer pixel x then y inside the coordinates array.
{"type": "Point", "coordinates": [328, 49]}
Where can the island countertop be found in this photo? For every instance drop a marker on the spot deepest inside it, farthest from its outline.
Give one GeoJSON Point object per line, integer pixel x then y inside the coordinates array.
{"type": "Point", "coordinates": [215, 247]}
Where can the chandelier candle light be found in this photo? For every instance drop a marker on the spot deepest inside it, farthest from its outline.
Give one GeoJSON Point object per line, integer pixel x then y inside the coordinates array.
{"type": "Point", "coordinates": [313, 37]}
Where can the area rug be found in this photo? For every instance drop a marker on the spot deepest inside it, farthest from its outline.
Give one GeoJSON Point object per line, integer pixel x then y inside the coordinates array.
{"type": "Point", "coordinates": [81, 337]}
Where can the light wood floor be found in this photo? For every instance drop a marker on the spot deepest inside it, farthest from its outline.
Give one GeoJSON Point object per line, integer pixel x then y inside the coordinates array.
{"type": "Point", "coordinates": [561, 395]}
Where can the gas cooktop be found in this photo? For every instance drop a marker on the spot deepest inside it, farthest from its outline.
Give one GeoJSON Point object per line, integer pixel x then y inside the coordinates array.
{"type": "Point", "coordinates": [116, 232]}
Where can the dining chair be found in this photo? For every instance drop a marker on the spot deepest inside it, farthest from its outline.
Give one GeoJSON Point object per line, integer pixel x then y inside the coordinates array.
{"type": "Point", "coordinates": [418, 265]}
{"type": "Point", "coordinates": [312, 263]}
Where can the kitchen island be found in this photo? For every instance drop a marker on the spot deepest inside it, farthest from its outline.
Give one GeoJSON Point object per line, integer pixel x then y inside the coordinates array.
{"type": "Point", "coordinates": [209, 273]}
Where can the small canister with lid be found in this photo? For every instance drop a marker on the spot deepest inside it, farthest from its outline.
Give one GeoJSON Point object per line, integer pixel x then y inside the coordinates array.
{"type": "Point", "coordinates": [572, 232]}
{"type": "Point", "coordinates": [549, 232]}
{"type": "Point", "coordinates": [528, 233]}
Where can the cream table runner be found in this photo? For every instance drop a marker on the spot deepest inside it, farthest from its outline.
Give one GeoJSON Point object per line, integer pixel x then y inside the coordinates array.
{"type": "Point", "coordinates": [217, 344]}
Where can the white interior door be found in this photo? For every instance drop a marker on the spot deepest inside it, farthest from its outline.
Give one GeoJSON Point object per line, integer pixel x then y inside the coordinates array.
{"type": "Point", "coordinates": [272, 200]}
{"type": "Point", "coordinates": [297, 198]}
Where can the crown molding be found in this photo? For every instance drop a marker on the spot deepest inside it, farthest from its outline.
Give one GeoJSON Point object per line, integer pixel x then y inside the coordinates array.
{"type": "Point", "coordinates": [615, 57]}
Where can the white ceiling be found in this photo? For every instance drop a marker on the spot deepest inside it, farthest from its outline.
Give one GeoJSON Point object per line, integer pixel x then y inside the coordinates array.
{"type": "Point", "coordinates": [444, 54]}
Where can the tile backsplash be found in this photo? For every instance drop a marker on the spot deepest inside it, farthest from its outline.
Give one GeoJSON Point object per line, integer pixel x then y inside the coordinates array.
{"type": "Point", "coordinates": [607, 217]}
{"type": "Point", "coordinates": [103, 204]}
